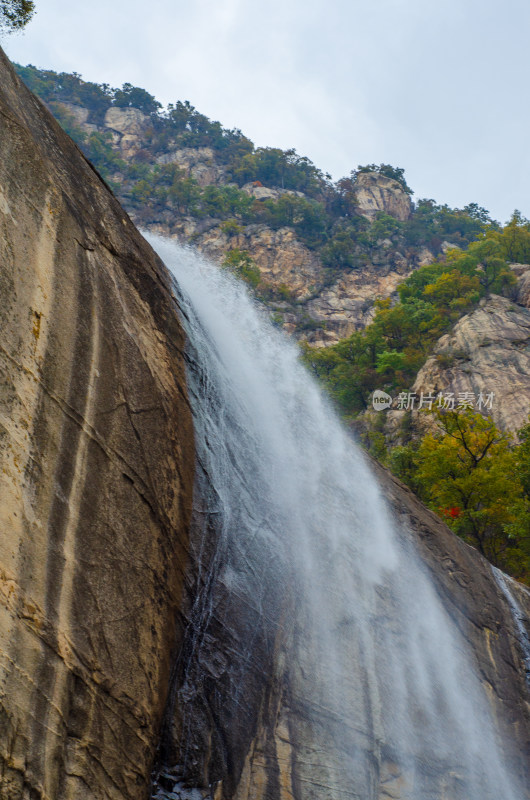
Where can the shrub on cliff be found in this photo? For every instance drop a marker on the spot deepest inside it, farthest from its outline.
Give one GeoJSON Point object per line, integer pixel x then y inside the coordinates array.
{"type": "Point", "coordinates": [388, 171]}
{"type": "Point", "coordinates": [514, 239]}
{"type": "Point", "coordinates": [130, 96]}
{"type": "Point", "coordinates": [280, 168]}
{"type": "Point", "coordinates": [471, 474]}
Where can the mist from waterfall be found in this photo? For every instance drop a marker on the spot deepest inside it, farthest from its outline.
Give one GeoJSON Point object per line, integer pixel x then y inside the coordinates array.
{"type": "Point", "coordinates": [380, 655]}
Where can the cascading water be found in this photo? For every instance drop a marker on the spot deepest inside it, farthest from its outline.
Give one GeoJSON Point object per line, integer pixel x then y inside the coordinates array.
{"type": "Point", "coordinates": [392, 706]}
{"type": "Point", "coordinates": [503, 582]}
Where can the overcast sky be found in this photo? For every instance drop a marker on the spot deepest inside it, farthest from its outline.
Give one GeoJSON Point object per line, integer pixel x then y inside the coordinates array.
{"type": "Point", "coordinates": [439, 87]}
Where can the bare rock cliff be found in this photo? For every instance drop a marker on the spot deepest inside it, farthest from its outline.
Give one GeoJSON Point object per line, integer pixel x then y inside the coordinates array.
{"type": "Point", "coordinates": [488, 351]}
{"type": "Point", "coordinates": [375, 193]}
{"type": "Point", "coordinates": [96, 469]}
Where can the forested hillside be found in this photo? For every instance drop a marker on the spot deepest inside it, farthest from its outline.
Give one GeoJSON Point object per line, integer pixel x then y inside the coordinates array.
{"type": "Point", "coordinates": [373, 283]}
{"type": "Point", "coordinates": [323, 214]}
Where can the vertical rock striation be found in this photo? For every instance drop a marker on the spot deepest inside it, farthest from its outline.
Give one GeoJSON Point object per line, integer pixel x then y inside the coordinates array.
{"type": "Point", "coordinates": [96, 470]}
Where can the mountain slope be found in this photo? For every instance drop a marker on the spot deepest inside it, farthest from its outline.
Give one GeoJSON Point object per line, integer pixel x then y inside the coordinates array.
{"type": "Point", "coordinates": [324, 251]}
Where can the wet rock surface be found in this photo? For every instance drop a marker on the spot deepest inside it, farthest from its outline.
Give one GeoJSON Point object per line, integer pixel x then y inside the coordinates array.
{"type": "Point", "coordinates": [279, 739]}
{"type": "Point", "coordinates": [96, 470]}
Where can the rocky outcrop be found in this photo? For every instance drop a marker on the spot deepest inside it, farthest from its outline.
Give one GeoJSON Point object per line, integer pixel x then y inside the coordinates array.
{"type": "Point", "coordinates": [308, 304]}
{"type": "Point", "coordinates": [128, 125]}
{"type": "Point", "coordinates": [522, 290]}
{"type": "Point", "coordinates": [326, 309]}
{"type": "Point", "coordinates": [487, 352]}
{"type": "Point", "coordinates": [375, 193]}
{"type": "Point", "coordinates": [197, 162]}
{"type": "Point", "coordinates": [260, 192]}
{"type": "Point", "coordinates": [283, 261]}
{"type": "Point", "coordinates": [127, 121]}
{"type": "Point", "coordinates": [347, 305]}
{"type": "Point", "coordinates": [96, 466]}
{"type": "Point", "coordinates": [79, 115]}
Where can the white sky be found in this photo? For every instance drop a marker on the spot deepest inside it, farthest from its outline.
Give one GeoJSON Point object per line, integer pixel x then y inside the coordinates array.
{"type": "Point", "coordinates": [439, 87]}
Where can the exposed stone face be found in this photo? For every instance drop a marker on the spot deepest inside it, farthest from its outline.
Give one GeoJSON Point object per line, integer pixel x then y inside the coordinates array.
{"type": "Point", "coordinates": [197, 162]}
{"type": "Point", "coordinates": [340, 308]}
{"type": "Point", "coordinates": [129, 121]}
{"type": "Point", "coordinates": [487, 351]}
{"type": "Point", "coordinates": [96, 465]}
{"type": "Point", "coordinates": [282, 259]}
{"type": "Point", "coordinates": [265, 193]}
{"type": "Point", "coordinates": [80, 116]}
{"type": "Point", "coordinates": [375, 193]}
{"type": "Point", "coordinates": [128, 125]}
{"type": "Point", "coordinates": [79, 113]}
{"type": "Point", "coordinates": [348, 305]}
{"type": "Point", "coordinates": [522, 294]}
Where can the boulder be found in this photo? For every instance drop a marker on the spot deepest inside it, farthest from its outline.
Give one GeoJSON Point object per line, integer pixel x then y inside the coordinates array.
{"type": "Point", "coordinates": [375, 193]}
{"type": "Point", "coordinates": [129, 121]}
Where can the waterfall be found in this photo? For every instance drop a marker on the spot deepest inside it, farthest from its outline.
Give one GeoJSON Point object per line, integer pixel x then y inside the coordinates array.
{"type": "Point", "coordinates": [388, 700]}
{"type": "Point", "coordinates": [503, 581]}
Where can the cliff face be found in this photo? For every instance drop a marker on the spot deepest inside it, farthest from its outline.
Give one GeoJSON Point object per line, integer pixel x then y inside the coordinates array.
{"type": "Point", "coordinates": [487, 352]}
{"type": "Point", "coordinates": [375, 193]}
{"type": "Point", "coordinates": [96, 466]}
{"type": "Point", "coordinates": [97, 463]}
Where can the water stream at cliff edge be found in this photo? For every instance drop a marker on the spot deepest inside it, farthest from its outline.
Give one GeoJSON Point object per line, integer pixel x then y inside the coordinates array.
{"type": "Point", "coordinates": [382, 657]}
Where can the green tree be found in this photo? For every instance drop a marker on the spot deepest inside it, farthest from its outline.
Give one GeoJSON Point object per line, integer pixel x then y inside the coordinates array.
{"type": "Point", "coordinates": [523, 459]}
{"type": "Point", "coordinates": [514, 239]}
{"type": "Point", "coordinates": [384, 226]}
{"type": "Point", "coordinates": [432, 224]}
{"type": "Point", "coordinates": [142, 191]}
{"type": "Point", "coordinates": [281, 168]}
{"type": "Point", "coordinates": [342, 250]}
{"type": "Point", "coordinates": [467, 473]}
{"type": "Point", "coordinates": [130, 96]}
{"type": "Point", "coordinates": [15, 14]}
{"type": "Point", "coordinates": [306, 216]}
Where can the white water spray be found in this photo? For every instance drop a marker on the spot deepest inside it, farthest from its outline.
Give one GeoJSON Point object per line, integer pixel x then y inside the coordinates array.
{"type": "Point", "coordinates": [380, 658]}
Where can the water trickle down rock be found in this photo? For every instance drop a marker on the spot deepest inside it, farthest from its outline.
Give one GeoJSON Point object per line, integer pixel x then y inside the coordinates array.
{"type": "Point", "coordinates": [96, 471]}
